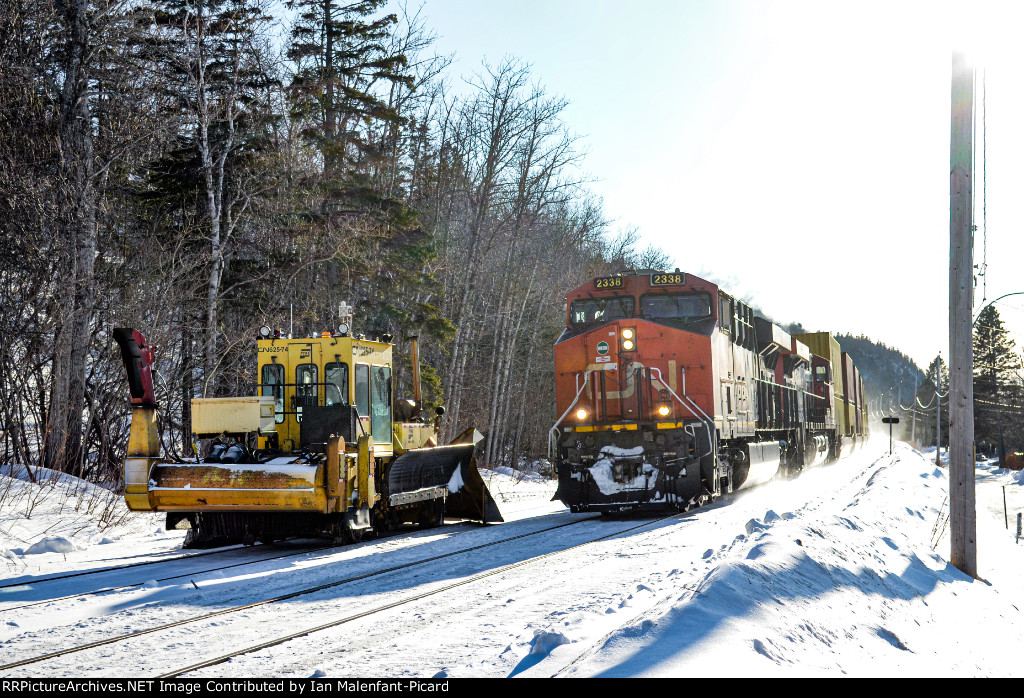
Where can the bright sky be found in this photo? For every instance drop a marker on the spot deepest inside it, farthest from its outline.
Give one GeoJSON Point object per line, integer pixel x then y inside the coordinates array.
{"type": "Point", "coordinates": [798, 151]}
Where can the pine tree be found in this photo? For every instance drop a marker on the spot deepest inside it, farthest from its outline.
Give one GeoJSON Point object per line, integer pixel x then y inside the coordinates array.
{"type": "Point", "coordinates": [997, 390]}
{"type": "Point", "coordinates": [212, 57]}
{"type": "Point", "coordinates": [342, 60]}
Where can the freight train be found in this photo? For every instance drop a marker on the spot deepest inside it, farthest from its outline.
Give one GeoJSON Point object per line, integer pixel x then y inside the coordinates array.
{"type": "Point", "coordinates": [321, 448]}
{"type": "Point", "coordinates": [671, 392]}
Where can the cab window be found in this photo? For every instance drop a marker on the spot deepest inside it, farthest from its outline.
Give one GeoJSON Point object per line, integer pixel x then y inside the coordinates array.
{"type": "Point", "coordinates": [272, 383]}
{"type": "Point", "coordinates": [305, 388]}
{"type": "Point", "coordinates": [676, 309]}
{"type": "Point", "coordinates": [380, 403]}
{"type": "Point", "coordinates": [363, 390]}
{"type": "Point", "coordinates": [725, 314]}
{"type": "Point", "coordinates": [336, 384]}
{"type": "Point", "coordinates": [585, 311]}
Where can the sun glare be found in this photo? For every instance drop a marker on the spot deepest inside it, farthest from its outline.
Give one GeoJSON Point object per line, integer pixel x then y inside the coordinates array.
{"type": "Point", "coordinates": [988, 33]}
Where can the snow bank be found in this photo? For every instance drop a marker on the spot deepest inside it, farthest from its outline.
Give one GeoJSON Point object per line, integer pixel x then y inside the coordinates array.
{"type": "Point", "coordinates": [54, 544]}
{"type": "Point", "coordinates": [47, 518]}
{"type": "Point", "coordinates": [855, 589]}
{"type": "Point", "coordinates": [520, 493]}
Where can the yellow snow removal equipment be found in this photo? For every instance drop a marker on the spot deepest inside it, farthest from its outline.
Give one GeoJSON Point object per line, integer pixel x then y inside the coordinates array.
{"type": "Point", "coordinates": [321, 449]}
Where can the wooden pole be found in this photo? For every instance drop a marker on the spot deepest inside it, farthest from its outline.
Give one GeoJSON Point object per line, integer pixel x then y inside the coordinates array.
{"type": "Point", "coordinates": [963, 554]}
{"type": "Point", "coordinates": [913, 421]}
{"type": "Point", "coordinates": [938, 409]}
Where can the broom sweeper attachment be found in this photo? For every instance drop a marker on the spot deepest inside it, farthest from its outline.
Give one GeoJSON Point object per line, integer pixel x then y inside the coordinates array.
{"type": "Point", "coordinates": [315, 452]}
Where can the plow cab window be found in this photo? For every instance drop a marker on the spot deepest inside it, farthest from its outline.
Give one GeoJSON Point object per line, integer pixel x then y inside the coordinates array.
{"type": "Point", "coordinates": [272, 383]}
{"type": "Point", "coordinates": [305, 388]}
{"type": "Point", "coordinates": [590, 310]}
{"type": "Point", "coordinates": [380, 403]}
{"type": "Point", "coordinates": [336, 388]}
{"type": "Point", "coordinates": [363, 390]}
{"type": "Point", "coordinates": [677, 309]}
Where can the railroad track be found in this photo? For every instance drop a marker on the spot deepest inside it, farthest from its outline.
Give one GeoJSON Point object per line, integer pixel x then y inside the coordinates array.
{"type": "Point", "coordinates": [417, 597]}
{"type": "Point", "coordinates": [192, 573]}
{"type": "Point", "coordinates": [207, 570]}
{"type": "Point", "coordinates": [118, 568]}
{"type": "Point", "coordinates": [321, 587]}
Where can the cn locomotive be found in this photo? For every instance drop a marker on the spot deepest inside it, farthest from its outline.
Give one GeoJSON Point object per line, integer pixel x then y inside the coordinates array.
{"type": "Point", "coordinates": [671, 392]}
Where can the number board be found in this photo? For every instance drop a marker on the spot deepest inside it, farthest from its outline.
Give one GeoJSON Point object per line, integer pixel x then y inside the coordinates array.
{"type": "Point", "coordinates": [608, 282]}
{"type": "Point", "coordinates": [665, 279]}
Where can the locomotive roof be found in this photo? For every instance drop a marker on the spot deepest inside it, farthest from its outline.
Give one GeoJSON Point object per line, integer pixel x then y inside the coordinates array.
{"type": "Point", "coordinates": [640, 281]}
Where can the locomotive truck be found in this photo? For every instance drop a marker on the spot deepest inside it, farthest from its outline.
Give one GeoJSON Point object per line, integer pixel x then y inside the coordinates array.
{"type": "Point", "coordinates": [671, 391]}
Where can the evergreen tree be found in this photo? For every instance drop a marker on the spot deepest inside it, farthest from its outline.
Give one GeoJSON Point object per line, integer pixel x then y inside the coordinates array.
{"type": "Point", "coordinates": [342, 61]}
{"type": "Point", "coordinates": [212, 58]}
{"type": "Point", "coordinates": [997, 389]}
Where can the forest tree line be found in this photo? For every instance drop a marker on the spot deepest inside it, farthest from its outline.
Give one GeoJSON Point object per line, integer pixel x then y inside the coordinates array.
{"type": "Point", "coordinates": [998, 393]}
{"type": "Point", "coordinates": [199, 168]}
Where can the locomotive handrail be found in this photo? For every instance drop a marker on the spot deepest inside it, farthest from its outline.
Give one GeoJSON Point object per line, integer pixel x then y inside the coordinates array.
{"type": "Point", "coordinates": [552, 430]}
{"type": "Point", "coordinates": [691, 406]}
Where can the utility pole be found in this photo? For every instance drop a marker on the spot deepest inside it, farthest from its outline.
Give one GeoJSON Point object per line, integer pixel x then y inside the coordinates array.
{"type": "Point", "coordinates": [963, 538]}
{"type": "Point", "coordinates": [938, 408]}
{"type": "Point", "coordinates": [913, 421]}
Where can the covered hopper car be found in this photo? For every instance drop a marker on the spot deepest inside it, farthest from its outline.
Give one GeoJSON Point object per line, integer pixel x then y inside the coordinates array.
{"type": "Point", "coordinates": [670, 391]}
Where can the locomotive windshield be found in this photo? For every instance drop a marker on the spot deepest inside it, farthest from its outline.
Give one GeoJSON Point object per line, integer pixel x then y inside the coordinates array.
{"type": "Point", "coordinates": [677, 309]}
{"type": "Point", "coordinates": [589, 310]}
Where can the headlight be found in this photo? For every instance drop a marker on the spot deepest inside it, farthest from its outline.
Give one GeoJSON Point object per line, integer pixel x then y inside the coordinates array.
{"type": "Point", "coordinates": [628, 345]}
{"type": "Point", "coordinates": [664, 410]}
{"type": "Point", "coordinates": [581, 414]}
{"type": "Point", "coordinates": [627, 333]}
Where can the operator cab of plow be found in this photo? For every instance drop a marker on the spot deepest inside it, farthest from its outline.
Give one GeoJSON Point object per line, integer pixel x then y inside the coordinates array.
{"type": "Point", "coordinates": [316, 451]}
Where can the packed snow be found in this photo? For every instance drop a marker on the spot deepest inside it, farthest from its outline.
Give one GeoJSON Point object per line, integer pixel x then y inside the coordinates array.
{"type": "Point", "coordinates": [843, 570]}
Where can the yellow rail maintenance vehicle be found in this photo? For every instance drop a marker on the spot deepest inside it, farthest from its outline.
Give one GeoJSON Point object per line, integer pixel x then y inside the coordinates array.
{"type": "Point", "coordinates": [322, 448]}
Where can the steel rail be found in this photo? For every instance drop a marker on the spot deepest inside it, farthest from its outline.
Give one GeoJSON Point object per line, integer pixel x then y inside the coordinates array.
{"type": "Point", "coordinates": [277, 599]}
{"type": "Point", "coordinates": [122, 587]}
{"type": "Point", "coordinates": [105, 590]}
{"type": "Point", "coordinates": [401, 602]}
{"type": "Point", "coordinates": [117, 568]}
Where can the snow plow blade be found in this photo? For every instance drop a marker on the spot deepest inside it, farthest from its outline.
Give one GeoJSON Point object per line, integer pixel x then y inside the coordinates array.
{"type": "Point", "coordinates": [452, 467]}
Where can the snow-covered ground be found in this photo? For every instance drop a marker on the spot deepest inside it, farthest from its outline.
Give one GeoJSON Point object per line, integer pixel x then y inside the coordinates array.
{"type": "Point", "coordinates": [842, 570]}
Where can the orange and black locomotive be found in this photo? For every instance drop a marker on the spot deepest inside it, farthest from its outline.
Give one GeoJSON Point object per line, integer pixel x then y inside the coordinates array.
{"type": "Point", "coordinates": [670, 391]}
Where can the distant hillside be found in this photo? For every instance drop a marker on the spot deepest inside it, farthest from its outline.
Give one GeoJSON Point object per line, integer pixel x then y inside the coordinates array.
{"type": "Point", "coordinates": [883, 368]}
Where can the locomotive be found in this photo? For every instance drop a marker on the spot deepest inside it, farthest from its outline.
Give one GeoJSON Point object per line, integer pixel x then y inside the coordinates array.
{"type": "Point", "coordinates": [671, 392]}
